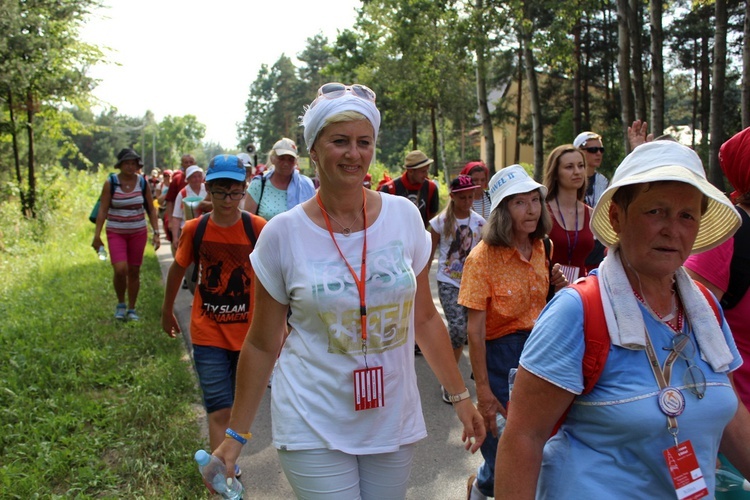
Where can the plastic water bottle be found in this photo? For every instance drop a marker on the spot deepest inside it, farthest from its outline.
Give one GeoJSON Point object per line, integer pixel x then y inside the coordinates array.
{"type": "Point", "coordinates": [511, 380]}
{"type": "Point", "coordinates": [729, 481]}
{"type": "Point", "coordinates": [102, 253]}
{"type": "Point", "coordinates": [500, 421]}
{"type": "Point", "coordinates": [213, 471]}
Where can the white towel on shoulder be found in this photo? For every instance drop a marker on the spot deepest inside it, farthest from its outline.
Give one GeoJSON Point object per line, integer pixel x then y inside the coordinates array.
{"type": "Point", "coordinates": [625, 320]}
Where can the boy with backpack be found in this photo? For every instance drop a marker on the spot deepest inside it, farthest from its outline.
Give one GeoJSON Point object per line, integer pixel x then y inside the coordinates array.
{"type": "Point", "coordinates": [219, 243]}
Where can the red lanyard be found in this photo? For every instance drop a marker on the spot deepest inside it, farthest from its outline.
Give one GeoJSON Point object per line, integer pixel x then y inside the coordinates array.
{"type": "Point", "coordinates": [363, 270]}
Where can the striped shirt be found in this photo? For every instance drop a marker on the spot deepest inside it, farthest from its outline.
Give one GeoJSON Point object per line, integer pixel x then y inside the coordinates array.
{"type": "Point", "coordinates": [126, 214]}
{"type": "Point", "coordinates": [482, 206]}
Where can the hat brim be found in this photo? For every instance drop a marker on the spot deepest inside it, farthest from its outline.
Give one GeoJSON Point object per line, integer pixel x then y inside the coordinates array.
{"type": "Point", "coordinates": [127, 157]}
{"type": "Point", "coordinates": [717, 224]}
{"type": "Point", "coordinates": [421, 164]}
{"type": "Point", "coordinates": [467, 188]}
{"type": "Point", "coordinates": [235, 176]}
{"type": "Point", "coordinates": [525, 186]}
{"type": "Point", "coordinates": [282, 152]}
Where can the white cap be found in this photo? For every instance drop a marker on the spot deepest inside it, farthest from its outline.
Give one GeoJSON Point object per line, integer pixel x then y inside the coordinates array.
{"type": "Point", "coordinates": [193, 169]}
{"type": "Point", "coordinates": [285, 146]}
{"type": "Point", "coordinates": [581, 138]}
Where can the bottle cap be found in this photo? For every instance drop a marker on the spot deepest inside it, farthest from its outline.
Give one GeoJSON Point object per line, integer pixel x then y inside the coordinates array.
{"type": "Point", "coordinates": [202, 457]}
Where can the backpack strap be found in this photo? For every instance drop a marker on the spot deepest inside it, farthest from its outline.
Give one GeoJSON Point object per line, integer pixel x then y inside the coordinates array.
{"type": "Point", "coordinates": [260, 198]}
{"type": "Point", "coordinates": [197, 239]}
{"type": "Point", "coordinates": [247, 223]}
{"type": "Point", "coordinates": [113, 183]}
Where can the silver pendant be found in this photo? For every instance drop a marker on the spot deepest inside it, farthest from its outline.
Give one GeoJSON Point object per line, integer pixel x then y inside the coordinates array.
{"type": "Point", "coordinates": [346, 231]}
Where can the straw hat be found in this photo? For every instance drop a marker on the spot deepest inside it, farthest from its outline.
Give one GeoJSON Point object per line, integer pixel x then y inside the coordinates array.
{"type": "Point", "coordinates": [669, 161]}
{"type": "Point", "coordinates": [417, 159]}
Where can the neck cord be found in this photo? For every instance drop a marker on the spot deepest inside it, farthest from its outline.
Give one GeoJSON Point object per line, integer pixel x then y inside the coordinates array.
{"type": "Point", "coordinates": [567, 234]}
{"type": "Point", "coordinates": [359, 281]}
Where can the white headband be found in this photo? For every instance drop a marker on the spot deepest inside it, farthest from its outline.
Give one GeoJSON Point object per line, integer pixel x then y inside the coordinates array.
{"type": "Point", "coordinates": [315, 116]}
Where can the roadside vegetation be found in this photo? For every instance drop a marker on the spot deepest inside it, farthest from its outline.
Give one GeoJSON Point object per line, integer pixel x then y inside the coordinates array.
{"type": "Point", "coordinates": [89, 407]}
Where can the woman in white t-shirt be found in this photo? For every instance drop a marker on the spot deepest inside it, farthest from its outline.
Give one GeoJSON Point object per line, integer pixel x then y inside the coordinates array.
{"type": "Point", "coordinates": [455, 230]}
{"type": "Point", "coordinates": [351, 266]}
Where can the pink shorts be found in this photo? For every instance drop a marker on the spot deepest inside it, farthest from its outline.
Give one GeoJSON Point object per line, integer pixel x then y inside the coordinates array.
{"type": "Point", "coordinates": [127, 247]}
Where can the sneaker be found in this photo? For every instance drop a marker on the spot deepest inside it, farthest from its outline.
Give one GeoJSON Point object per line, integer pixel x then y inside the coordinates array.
{"type": "Point", "coordinates": [132, 315]}
{"type": "Point", "coordinates": [120, 312]}
{"type": "Point", "coordinates": [470, 485]}
{"type": "Point", "coordinates": [446, 396]}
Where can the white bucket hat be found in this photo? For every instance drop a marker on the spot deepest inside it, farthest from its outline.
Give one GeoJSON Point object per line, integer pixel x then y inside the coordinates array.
{"type": "Point", "coordinates": [669, 161]}
{"type": "Point", "coordinates": [509, 181]}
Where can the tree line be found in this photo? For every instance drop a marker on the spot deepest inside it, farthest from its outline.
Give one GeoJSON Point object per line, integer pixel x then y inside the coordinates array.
{"type": "Point", "coordinates": [441, 69]}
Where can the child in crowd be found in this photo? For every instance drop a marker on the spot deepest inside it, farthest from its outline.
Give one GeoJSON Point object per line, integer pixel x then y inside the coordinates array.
{"type": "Point", "coordinates": [222, 305]}
{"type": "Point", "coordinates": [456, 230]}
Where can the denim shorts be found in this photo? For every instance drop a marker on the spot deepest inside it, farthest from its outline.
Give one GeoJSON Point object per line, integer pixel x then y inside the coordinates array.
{"type": "Point", "coordinates": [217, 371]}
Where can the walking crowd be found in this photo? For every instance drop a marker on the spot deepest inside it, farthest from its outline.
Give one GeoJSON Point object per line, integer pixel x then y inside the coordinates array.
{"type": "Point", "coordinates": [611, 314]}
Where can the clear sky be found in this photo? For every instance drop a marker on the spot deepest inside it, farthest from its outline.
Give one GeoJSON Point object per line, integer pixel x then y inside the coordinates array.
{"type": "Point", "coordinates": [180, 57]}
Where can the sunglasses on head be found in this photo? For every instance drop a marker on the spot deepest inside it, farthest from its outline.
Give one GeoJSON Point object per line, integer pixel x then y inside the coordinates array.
{"type": "Point", "coordinates": [336, 90]}
{"type": "Point", "coordinates": [594, 149]}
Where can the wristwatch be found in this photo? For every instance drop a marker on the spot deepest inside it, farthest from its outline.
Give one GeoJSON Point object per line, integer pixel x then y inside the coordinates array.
{"type": "Point", "coordinates": [455, 398]}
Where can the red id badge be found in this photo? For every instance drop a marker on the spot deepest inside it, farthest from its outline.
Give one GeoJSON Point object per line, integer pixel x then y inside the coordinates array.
{"type": "Point", "coordinates": [686, 474]}
{"type": "Point", "coordinates": [368, 388]}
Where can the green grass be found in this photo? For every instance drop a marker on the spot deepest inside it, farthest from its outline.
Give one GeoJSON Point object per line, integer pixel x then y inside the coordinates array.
{"type": "Point", "coordinates": [89, 407]}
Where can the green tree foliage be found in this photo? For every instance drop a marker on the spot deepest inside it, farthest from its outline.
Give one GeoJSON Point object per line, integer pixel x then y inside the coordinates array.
{"type": "Point", "coordinates": [42, 68]}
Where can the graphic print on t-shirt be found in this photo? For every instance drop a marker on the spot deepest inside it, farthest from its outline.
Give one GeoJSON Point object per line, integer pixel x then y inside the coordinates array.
{"type": "Point", "coordinates": [390, 285]}
{"type": "Point", "coordinates": [224, 281]}
{"type": "Point", "coordinates": [462, 243]}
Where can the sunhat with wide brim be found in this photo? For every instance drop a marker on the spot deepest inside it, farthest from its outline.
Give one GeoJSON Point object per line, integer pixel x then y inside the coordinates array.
{"type": "Point", "coordinates": [660, 161]}
{"type": "Point", "coordinates": [509, 181]}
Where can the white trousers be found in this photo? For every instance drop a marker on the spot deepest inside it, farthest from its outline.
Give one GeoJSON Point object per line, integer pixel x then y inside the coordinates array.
{"type": "Point", "coordinates": [334, 475]}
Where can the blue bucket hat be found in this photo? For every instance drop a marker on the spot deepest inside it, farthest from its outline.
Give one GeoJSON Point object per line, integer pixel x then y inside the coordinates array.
{"type": "Point", "coordinates": [225, 167]}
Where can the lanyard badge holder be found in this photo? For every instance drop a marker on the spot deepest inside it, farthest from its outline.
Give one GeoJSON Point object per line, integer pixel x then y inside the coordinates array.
{"type": "Point", "coordinates": [368, 381]}
{"type": "Point", "coordinates": [681, 461]}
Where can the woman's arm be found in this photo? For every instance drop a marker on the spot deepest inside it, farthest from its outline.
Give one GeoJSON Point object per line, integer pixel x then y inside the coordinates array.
{"type": "Point", "coordinates": [153, 218]}
{"type": "Point", "coordinates": [435, 241]}
{"type": "Point", "coordinates": [433, 340]}
{"type": "Point", "coordinates": [487, 404]}
{"type": "Point", "coordinates": [259, 352]}
{"type": "Point", "coordinates": [105, 199]}
{"type": "Point", "coordinates": [536, 407]}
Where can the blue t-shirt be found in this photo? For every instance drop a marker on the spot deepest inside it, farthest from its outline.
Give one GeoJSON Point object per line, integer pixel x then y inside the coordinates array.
{"type": "Point", "coordinates": [613, 439]}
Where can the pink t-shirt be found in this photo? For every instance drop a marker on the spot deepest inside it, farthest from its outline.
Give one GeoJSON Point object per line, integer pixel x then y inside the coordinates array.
{"type": "Point", "coordinates": [713, 265]}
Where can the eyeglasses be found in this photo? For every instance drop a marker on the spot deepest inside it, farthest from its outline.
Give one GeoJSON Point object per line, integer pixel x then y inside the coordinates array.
{"type": "Point", "coordinates": [336, 90]}
{"type": "Point", "coordinates": [593, 150]}
{"type": "Point", "coordinates": [694, 378]}
{"type": "Point", "coordinates": [222, 195]}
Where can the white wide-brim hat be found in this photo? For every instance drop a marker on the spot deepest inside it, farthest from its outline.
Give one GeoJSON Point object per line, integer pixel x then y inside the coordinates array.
{"type": "Point", "coordinates": [661, 161]}
{"type": "Point", "coordinates": [509, 181]}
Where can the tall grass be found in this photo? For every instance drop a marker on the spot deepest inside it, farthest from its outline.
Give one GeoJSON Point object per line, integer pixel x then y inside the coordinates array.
{"type": "Point", "coordinates": [89, 407]}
